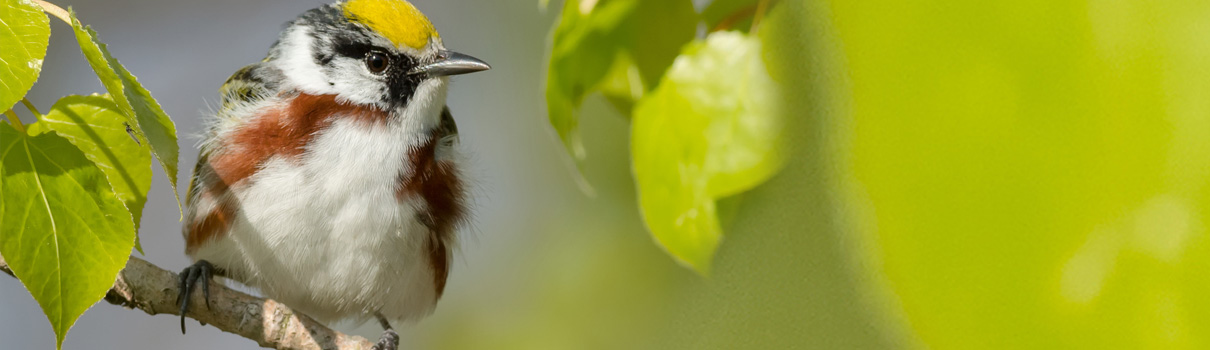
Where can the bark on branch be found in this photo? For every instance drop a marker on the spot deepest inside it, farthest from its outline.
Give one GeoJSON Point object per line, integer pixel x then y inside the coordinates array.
{"type": "Point", "coordinates": [147, 287]}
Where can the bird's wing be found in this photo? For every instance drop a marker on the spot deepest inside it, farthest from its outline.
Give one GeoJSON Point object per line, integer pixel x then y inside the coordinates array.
{"type": "Point", "coordinates": [446, 136]}
{"type": "Point", "coordinates": [242, 93]}
{"type": "Point", "coordinates": [447, 127]}
{"type": "Point", "coordinates": [249, 85]}
{"type": "Point", "coordinates": [199, 169]}
{"type": "Point", "coordinates": [243, 90]}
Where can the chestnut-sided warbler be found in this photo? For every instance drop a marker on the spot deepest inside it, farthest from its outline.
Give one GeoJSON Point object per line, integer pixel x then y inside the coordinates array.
{"type": "Point", "coordinates": [328, 178]}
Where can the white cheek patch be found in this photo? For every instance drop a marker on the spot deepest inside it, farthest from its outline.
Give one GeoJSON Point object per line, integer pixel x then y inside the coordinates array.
{"type": "Point", "coordinates": [355, 83]}
{"type": "Point", "coordinates": [297, 61]}
{"type": "Point", "coordinates": [345, 77]}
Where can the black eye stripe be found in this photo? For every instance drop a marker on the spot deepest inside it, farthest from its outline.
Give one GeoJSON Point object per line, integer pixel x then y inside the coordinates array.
{"type": "Point", "coordinates": [342, 45]}
{"type": "Point", "coordinates": [352, 49]}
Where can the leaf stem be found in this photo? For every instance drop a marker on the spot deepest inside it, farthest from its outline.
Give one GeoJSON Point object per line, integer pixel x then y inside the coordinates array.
{"type": "Point", "coordinates": [731, 19]}
{"type": "Point", "coordinates": [761, 8]}
{"type": "Point", "coordinates": [55, 11]}
{"type": "Point", "coordinates": [12, 117]}
{"type": "Point", "coordinates": [30, 106]}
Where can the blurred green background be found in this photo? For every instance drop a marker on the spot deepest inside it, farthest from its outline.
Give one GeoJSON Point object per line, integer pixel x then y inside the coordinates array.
{"type": "Point", "coordinates": [962, 175]}
{"type": "Point", "coordinates": [1031, 174]}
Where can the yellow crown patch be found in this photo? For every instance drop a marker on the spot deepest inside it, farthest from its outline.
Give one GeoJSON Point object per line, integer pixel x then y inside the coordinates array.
{"type": "Point", "coordinates": [396, 20]}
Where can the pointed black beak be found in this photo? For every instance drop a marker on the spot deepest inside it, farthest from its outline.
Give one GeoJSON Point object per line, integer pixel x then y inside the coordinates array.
{"type": "Point", "coordinates": [451, 63]}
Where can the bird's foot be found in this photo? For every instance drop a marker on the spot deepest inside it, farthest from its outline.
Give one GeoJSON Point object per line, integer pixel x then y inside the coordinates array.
{"type": "Point", "coordinates": [388, 341]}
{"type": "Point", "coordinates": [190, 276]}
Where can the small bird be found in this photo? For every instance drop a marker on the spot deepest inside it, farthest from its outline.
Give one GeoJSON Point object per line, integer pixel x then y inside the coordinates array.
{"type": "Point", "coordinates": [328, 178]}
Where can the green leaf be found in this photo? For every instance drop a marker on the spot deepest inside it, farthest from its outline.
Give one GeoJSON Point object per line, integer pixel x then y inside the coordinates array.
{"type": "Point", "coordinates": [65, 235]}
{"type": "Point", "coordinates": [151, 125]}
{"type": "Point", "coordinates": [94, 124]}
{"type": "Point", "coordinates": [589, 40]}
{"type": "Point", "coordinates": [24, 34]}
{"type": "Point", "coordinates": [711, 130]}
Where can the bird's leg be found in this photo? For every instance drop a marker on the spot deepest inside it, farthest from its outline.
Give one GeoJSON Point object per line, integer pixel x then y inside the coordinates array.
{"type": "Point", "coordinates": [389, 339]}
{"type": "Point", "coordinates": [190, 276]}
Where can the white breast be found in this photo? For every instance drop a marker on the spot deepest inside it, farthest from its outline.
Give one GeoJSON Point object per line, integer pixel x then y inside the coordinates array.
{"type": "Point", "coordinates": [327, 235]}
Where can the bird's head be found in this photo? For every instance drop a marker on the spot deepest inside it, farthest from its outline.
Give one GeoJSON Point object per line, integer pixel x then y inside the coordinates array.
{"type": "Point", "coordinates": [383, 53]}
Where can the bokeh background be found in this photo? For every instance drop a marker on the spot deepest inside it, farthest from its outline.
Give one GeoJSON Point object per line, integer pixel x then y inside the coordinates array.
{"type": "Point", "coordinates": [1004, 174]}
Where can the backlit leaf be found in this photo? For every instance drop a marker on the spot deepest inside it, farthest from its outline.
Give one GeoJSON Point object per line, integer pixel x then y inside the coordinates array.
{"type": "Point", "coordinates": [24, 34]}
{"type": "Point", "coordinates": [151, 125]}
{"type": "Point", "coordinates": [62, 231]}
{"type": "Point", "coordinates": [95, 125]}
{"type": "Point", "coordinates": [589, 40]}
{"type": "Point", "coordinates": [710, 130]}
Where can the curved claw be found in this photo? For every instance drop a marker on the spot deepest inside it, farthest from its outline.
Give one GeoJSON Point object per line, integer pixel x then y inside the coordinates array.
{"type": "Point", "coordinates": [189, 277]}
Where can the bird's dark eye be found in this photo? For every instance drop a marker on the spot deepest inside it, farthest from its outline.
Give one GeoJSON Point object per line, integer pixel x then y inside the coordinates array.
{"type": "Point", "coordinates": [377, 62]}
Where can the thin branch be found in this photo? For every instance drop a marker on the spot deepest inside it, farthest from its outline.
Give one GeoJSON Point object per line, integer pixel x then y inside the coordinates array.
{"type": "Point", "coordinates": [4, 267]}
{"type": "Point", "coordinates": [146, 287]}
{"type": "Point", "coordinates": [55, 11]}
